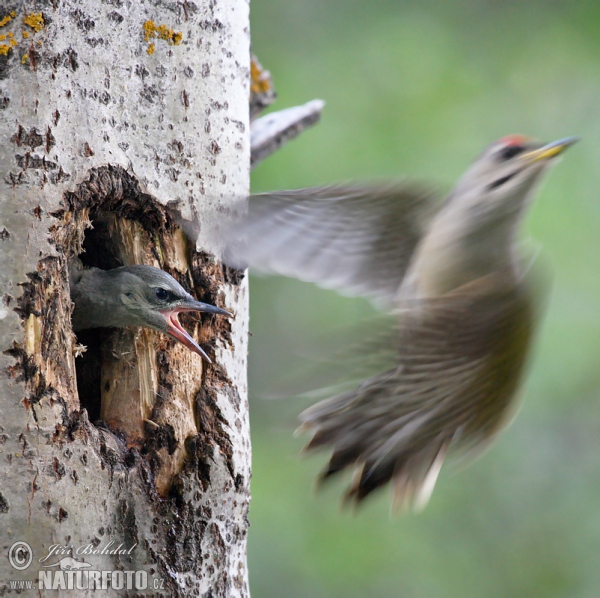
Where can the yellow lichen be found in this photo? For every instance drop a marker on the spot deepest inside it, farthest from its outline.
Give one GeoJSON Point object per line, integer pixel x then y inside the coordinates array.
{"type": "Point", "coordinates": [35, 20]}
{"type": "Point", "coordinates": [150, 49]}
{"type": "Point", "coordinates": [260, 80]}
{"type": "Point", "coordinates": [149, 30]}
{"type": "Point", "coordinates": [7, 19]}
{"type": "Point", "coordinates": [13, 41]}
{"type": "Point", "coordinates": [24, 34]}
{"type": "Point", "coordinates": [25, 58]}
{"type": "Point", "coordinates": [4, 48]}
{"type": "Point", "coordinates": [3, 37]}
{"type": "Point", "coordinates": [152, 30]}
{"type": "Point", "coordinates": [173, 37]}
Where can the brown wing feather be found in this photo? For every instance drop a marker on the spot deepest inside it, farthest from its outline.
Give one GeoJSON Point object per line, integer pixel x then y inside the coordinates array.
{"type": "Point", "coordinates": [461, 358]}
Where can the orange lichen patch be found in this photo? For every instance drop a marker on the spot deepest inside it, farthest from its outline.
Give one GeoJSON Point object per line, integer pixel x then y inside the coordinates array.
{"type": "Point", "coordinates": [7, 19]}
{"type": "Point", "coordinates": [24, 34]}
{"type": "Point", "coordinates": [260, 80]}
{"type": "Point", "coordinates": [25, 58]}
{"type": "Point", "coordinates": [12, 42]}
{"type": "Point", "coordinates": [150, 49]}
{"type": "Point", "coordinates": [152, 30]}
{"type": "Point", "coordinates": [149, 30]}
{"type": "Point", "coordinates": [35, 20]}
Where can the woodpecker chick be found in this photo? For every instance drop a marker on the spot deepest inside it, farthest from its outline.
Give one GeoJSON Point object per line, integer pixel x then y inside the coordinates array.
{"type": "Point", "coordinates": [452, 274]}
{"type": "Point", "coordinates": [133, 296]}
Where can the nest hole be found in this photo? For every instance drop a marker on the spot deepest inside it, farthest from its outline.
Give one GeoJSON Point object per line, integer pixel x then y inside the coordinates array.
{"type": "Point", "coordinates": [108, 222]}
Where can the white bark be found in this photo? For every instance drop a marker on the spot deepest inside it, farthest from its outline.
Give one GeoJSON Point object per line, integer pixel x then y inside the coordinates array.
{"type": "Point", "coordinates": [85, 93]}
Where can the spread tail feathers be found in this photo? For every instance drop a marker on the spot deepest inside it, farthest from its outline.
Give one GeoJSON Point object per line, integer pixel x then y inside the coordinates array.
{"type": "Point", "coordinates": [461, 358]}
{"type": "Point", "coordinates": [412, 467]}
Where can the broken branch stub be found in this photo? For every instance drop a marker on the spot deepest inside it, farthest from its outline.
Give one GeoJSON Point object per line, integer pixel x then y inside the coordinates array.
{"type": "Point", "coordinates": [270, 132]}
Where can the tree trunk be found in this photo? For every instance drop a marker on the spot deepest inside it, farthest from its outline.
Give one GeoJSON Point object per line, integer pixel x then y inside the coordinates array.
{"type": "Point", "coordinates": [122, 121]}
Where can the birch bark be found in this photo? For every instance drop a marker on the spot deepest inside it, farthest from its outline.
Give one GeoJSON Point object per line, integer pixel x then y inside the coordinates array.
{"type": "Point", "coordinates": [129, 116]}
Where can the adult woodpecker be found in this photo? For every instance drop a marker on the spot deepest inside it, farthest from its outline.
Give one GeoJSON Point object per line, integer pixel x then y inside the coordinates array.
{"type": "Point", "coordinates": [133, 296]}
{"type": "Point", "coordinates": [463, 299]}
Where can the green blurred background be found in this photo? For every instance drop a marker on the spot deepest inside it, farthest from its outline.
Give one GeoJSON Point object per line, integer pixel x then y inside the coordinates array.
{"type": "Point", "coordinates": [418, 88]}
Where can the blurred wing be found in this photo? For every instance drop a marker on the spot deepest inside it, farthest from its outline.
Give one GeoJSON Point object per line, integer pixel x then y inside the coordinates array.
{"type": "Point", "coordinates": [355, 239]}
{"type": "Point", "coordinates": [338, 359]}
{"type": "Point", "coordinates": [460, 363]}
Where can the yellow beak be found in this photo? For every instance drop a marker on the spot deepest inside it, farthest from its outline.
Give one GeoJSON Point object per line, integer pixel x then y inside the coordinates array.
{"type": "Point", "coordinates": [549, 150]}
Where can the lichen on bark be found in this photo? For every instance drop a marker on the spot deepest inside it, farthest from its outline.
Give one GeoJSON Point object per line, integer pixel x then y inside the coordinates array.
{"type": "Point", "coordinates": [97, 130]}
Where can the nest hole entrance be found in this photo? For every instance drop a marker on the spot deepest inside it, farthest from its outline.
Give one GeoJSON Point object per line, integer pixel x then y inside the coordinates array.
{"type": "Point", "coordinates": [128, 226]}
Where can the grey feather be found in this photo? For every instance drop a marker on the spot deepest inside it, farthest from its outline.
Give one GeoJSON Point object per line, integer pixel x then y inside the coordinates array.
{"type": "Point", "coordinates": [137, 295]}
{"type": "Point", "coordinates": [98, 295]}
{"type": "Point", "coordinates": [357, 239]}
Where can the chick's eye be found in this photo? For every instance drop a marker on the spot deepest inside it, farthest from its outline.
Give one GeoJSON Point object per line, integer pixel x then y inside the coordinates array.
{"type": "Point", "coordinates": [161, 294]}
{"type": "Point", "coordinates": [510, 151]}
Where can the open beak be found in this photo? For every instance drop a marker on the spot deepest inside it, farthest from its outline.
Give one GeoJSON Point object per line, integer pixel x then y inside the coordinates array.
{"type": "Point", "coordinates": [549, 150]}
{"type": "Point", "coordinates": [178, 332]}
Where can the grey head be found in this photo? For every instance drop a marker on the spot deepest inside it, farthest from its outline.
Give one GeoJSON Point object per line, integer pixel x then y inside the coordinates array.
{"type": "Point", "coordinates": [475, 231]}
{"type": "Point", "coordinates": [502, 179]}
{"type": "Point", "coordinates": [137, 295]}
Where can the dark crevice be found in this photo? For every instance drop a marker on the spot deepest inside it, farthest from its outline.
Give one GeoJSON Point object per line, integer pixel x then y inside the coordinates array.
{"type": "Point", "coordinates": [88, 369]}
{"type": "Point", "coordinates": [98, 251]}
{"type": "Point", "coordinates": [98, 247]}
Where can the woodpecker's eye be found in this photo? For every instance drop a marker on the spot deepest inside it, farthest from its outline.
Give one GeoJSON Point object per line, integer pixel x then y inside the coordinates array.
{"type": "Point", "coordinates": [162, 294]}
{"type": "Point", "coordinates": [510, 151]}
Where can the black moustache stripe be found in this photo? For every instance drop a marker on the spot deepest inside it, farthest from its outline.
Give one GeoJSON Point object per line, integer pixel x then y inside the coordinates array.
{"type": "Point", "coordinates": [499, 182]}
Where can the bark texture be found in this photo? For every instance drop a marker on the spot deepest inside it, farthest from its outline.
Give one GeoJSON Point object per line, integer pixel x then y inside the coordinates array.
{"type": "Point", "coordinates": [122, 120]}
